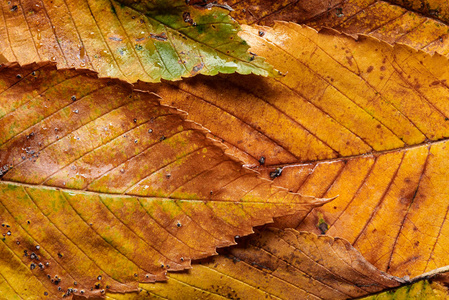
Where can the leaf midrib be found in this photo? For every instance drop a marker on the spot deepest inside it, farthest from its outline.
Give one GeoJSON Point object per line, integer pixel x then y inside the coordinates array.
{"type": "Point", "coordinates": [133, 197]}
{"type": "Point", "coordinates": [350, 157]}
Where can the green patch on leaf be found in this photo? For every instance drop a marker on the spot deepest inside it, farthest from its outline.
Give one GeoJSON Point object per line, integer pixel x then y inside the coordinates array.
{"type": "Point", "coordinates": [419, 290]}
{"type": "Point", "coordinates": [187, 39]}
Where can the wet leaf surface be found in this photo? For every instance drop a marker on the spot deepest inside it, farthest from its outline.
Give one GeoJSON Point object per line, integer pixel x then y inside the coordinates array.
{"type": "Point", "coordinates": [102, 187]}
{"type": "Point", "coordinates": [278, 264]}
{"type": "Point", "coordinates": [146, 40]}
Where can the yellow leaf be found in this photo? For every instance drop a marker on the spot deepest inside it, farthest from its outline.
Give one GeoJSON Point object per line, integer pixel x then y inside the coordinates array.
{"type": "Point", "coordinates": [101, 187]}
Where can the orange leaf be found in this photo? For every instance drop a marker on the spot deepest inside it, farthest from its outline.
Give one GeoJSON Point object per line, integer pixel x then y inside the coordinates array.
{"type": "Point", "coordinates": [391, 206]}
{"type": "Point", "coordinates": [377, 105]}
{"type": "Point", "coordinates": [339, 98]}
{"type": "Point", "coordinates": [102, 187]}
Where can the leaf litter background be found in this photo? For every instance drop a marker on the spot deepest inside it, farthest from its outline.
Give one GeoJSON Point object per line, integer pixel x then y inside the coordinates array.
{"type": "Point", "coordinates": [400, 137]}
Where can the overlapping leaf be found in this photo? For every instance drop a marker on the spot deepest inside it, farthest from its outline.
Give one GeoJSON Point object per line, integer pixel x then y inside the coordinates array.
{"type": "Point", "coordinates": [339, 98]}
{"type": "Point", "coordinates": [436, 8]}
{"type": "Point", "coordinates": [102, 187]}
{"type": "Point", "coordinates": [342, 98]}
{"type": "Point", "coordinates": [279, 265]}
{"type": "Point", "coordinates": [147, 40]}
{"type": "Point", "coordinates": [420, 24]}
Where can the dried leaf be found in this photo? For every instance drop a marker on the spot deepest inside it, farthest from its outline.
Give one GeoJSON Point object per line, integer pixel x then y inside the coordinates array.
{"type": "Point", "coordinates": [392, 207]}
{"type": "Point", "coordinates": [437, 9]}
{"type": "Point", "coordinates": [420, 24]}
{"type": "Point", "coordinates": [146, 40]}
{"type": "Point", "coordinates": [339, 97]}
{"type": "Point", "coordinates": [268, 11]}
{"type": "Point", "coordinates": [382, 107]}
{"type": "Point", "coordinates": [278, 265]}
{"type": "Point", "coordinates": [103, 186]}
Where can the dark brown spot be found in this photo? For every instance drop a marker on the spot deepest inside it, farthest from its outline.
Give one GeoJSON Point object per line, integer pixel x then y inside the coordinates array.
{"type": "Point", "coordinates": [188, 19]}
{"type": "Point", "coordinates": [370, 69]}
{"type": "Point", "coordinates": [349, 58]}
{"type": "Point", "coordinates": [436, 82]}
{"type": "Point", "coordinates": [197, 68]}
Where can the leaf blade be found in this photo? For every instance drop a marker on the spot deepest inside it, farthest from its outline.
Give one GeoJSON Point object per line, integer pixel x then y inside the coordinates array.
{"type": "Point", "coordinates": [118, 41]}
{"type": "Point", "coordinates": [378, 184]}
{"type": "Point", "coordinates": [280, 264]}
{"type": "Point", "coordinates": [104, 182]}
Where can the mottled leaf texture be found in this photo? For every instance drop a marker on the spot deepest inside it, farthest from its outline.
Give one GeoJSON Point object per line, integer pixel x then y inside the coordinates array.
{"type": "Point", "coordinates": [384, 108]}
{"type": "Point", "coordinates": [419, 24]}
{"type": "Point", "coordinates": [279, 264]}
{"type": "Point", "coordinates": [102, 187]}
{"type": "Point", "coordinates": [146, 40]}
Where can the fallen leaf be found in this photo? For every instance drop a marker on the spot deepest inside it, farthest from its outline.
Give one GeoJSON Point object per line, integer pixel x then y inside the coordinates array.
{"type": "Point", "coordinates": [146, 40]}
{"type": "Point", "coordinates": [384, 108]}
{"type": "Point", "coordinates": [278, 264]}
{"type": "Point", "coordinates": [339, 97]}
{"type": "Point", "coordinates": [419, 24]}
{"type": "Point", "coordinates": [391, 206]}
{"type": "Point", "coordinates": [437, 9]}
{"type": "Point", "coordinates": [101, 187]}
{"type": "Point", "coordinates": [269, 11]}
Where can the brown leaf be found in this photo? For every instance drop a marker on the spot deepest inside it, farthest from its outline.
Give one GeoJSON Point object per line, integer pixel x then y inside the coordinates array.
{"type": "Point", "coordinates": [279, 264]}
{"type": "Point", "coordinates": [103, 186]}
